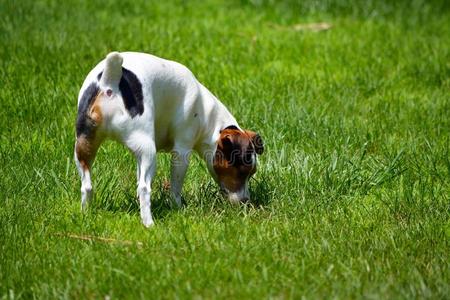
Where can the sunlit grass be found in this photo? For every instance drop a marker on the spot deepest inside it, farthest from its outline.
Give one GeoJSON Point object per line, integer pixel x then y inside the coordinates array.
{"type": "Point", "coordinates": [351, 199]}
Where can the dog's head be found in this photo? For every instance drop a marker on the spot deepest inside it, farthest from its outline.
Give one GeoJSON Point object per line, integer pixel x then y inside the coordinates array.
{"type": "Point", "coordinates": [235, 161]}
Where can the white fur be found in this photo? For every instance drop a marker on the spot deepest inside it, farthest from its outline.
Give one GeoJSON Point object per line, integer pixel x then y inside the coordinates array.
{"type": "Point", "coordinates": [180, 115]}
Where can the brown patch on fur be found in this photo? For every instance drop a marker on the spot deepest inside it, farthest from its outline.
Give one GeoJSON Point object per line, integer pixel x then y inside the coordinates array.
{"type": "Point", "coordinates": [233, 178]}
{"type": "Point", "coordinates": [233, 158]}
{"type": "Point", "coordinates": [86, 149]}
{"type": "Point", "coordinates": [235, 136]}
{"type": "Point", "coordinates": [95, 113]}
{"type": "Point", "coordinates": [87, 145]}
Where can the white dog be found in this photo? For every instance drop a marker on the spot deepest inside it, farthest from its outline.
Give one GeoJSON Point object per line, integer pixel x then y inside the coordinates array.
{"type": "Point", "coordinates": [151, 104]}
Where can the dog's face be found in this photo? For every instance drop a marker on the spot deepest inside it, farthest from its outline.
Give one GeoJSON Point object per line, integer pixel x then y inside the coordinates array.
{"type": "Point", "coordinates": [235, 161]}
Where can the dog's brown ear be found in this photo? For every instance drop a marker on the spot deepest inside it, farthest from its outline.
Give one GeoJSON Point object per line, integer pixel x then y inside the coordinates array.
{"type": "Point", "coordinates": [257, 141]}
{"type": "Point", "coordinates": [225, 146]}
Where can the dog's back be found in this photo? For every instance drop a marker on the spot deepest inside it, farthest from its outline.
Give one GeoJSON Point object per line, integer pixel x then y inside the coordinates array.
{"type": "Point", "coordinates": [142, 84]}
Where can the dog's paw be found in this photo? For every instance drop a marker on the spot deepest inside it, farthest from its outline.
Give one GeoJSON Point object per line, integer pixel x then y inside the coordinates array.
{"type": "Point", "coordinates": [176, 201]}
{"type": "Point", "coordinates": [148, 222]}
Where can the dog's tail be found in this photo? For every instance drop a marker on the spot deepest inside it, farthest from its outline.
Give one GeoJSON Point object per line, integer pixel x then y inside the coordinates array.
{"type": "Point", "coordinates": [113, 70]}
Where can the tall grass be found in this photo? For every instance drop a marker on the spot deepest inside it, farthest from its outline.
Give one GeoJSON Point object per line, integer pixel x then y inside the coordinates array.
{"type": "Point", "coordinates": [351, 199]}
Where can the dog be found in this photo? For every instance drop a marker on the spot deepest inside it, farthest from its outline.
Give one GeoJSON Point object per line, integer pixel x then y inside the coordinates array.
{"type": "Point", "coordinates": [150, 104]}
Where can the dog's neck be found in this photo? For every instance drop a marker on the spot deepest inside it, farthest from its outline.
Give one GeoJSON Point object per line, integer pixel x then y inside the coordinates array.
{"type": "Point", "coordinates": [217, 118]}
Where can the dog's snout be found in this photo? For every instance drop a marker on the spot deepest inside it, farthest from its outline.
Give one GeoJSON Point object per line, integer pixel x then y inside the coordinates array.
{"type": "Point", "coordinates": [237, 197]}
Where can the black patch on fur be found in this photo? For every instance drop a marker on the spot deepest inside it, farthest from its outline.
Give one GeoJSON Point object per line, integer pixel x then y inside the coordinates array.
{"type": "Point", "coordinates": [131, 89]}
{"type": "Point", "coordinates": [231, 127]}
{"type": "Point", "coordinates": [85, 124]}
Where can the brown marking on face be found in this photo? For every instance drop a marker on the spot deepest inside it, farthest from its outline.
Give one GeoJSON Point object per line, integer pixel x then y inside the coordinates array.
{"type": "Point", "coordinates": [232, 178]}
{"type": "Point", "coordinates": [234, 161]}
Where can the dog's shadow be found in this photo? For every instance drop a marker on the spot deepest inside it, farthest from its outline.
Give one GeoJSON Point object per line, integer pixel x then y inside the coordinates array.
{"type": "Point", "coordinates": [261, 191]}
{"type": "Point", "coordinates": [128, 203]}
{"type": "Point", "coordinates": [206, 197]}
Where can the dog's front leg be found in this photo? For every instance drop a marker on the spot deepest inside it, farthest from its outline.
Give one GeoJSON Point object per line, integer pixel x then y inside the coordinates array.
{"type": "Point", "coordinates": [180, 163]}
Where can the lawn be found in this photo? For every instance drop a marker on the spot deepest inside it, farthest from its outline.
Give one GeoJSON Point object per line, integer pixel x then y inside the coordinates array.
{"type": "Point", "coordinates": [352, 195]}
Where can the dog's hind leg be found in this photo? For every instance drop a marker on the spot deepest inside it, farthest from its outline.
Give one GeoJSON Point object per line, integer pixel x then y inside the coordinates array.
{"type": "Point", "coordinates": [85, 151]}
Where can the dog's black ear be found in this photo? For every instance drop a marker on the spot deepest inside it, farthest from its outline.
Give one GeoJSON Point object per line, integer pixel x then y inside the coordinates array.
{"type": "Point", "coordinates": [257, 142]}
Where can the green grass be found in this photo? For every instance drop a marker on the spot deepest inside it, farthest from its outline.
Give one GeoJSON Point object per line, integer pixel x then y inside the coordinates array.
{"type": "Point", "coordinates": [352, 196]}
